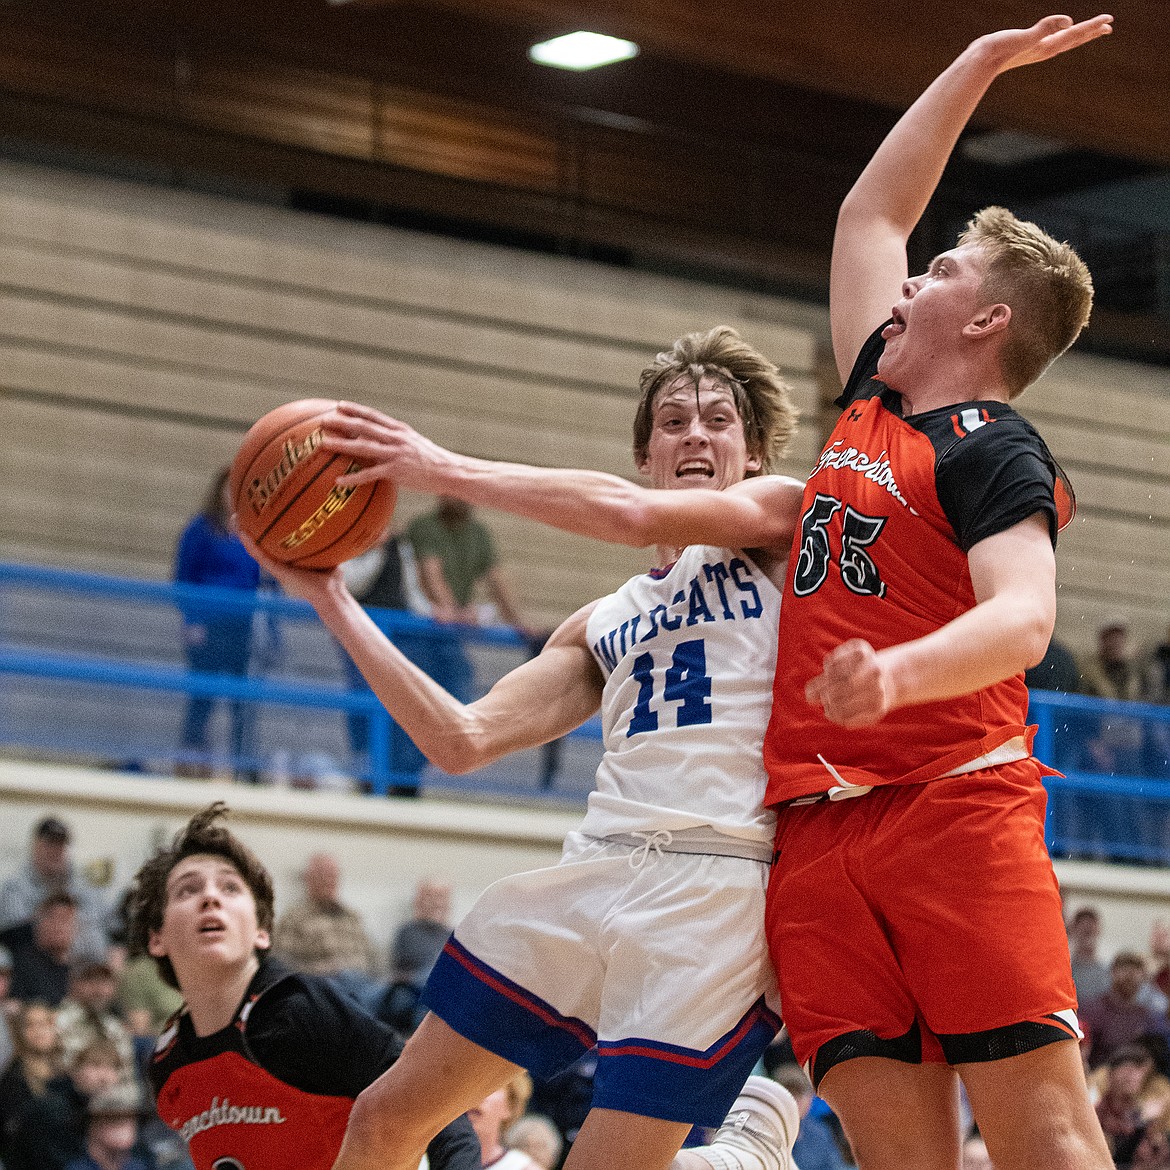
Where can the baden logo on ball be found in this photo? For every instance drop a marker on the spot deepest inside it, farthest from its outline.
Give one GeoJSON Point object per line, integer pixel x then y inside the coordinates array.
{"type": "Point", "coordinates": [286, 496]}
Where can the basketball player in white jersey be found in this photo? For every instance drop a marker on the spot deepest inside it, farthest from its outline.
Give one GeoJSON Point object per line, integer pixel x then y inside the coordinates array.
{"type": "Point", "coordinates": [647, 939]}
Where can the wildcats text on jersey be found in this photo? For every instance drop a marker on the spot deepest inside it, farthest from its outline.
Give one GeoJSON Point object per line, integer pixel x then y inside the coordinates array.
{"type": "Point", "coordinates": [718, 591]}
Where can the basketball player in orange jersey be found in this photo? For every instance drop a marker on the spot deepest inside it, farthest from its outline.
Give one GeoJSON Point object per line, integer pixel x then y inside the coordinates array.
{"type": "Point", "coordinates": [913, 913]}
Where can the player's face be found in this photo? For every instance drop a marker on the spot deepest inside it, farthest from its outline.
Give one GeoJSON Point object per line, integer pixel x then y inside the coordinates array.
{"type": "Point", "coordinates": [209, 922]}
{"type": "Point", "coordinates": [696, 439]}
{"type": "Point", "coordinates": [928, 320]}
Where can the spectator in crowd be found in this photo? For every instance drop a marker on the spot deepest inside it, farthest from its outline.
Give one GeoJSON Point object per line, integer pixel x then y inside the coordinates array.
{"type": "Point", "coordinates": [417, 943]}
{"type": "Point", "coordinates": [217, 639]}
{"type": "Point", "coordinates": [52, 1130]}
{"type": "Point", "coordinates": [536, 1136]}
{"type": "Point", "coordinates": [1112, 673]}
{"type": "Point", "coordinates": [1156, 689]}
{"type": "Point", "coordinates": [8, 1009]}
{"type": "Point", "coordinates": [86, 1014]}
{"type": "Point", "coordinates": [1153, 1151]}
{"type": "Point", "coordinates": [35, 1062]}
{"type": "Point", "coordinates": [1152, 1094]}
{"type": "Point", "coordinates": [816, 1145]}
{"type": "Point", "coordinates": [43, 950]}
{"type": "Point", "coordinates": [1090, 975]}
{"type": "Point", "coordinates": [413, 952]}
{"type": "Point", "coordinates": [494, 1114]}
{"type": "Point", "coordinates": [385, 578]}
{"type": "Point", "coordinates": [1056, 671]}
{"type": "Point", "coordinates": [49, 869]}
{"type": "Point", "coordinates": [145, 1000]}
{"type": "Point", "coordinates": [1117, 1017]}
{"type": "Point", "coordinates": [455, 552]}
{"type": "Point", "coordinates": [975, 1155]}
{"type": "Point", "coordinates": [1120, 1108]}
{"type": "Point", "coordinates": [112, 1131]}
{"type": "Point", "coordinates": [320, 935]}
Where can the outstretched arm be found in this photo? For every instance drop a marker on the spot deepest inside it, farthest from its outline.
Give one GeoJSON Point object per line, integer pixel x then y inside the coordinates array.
{"type": "Point", "coordinates": [758, 513]}
{"type": "Point", "coordinates": [888, 199]}
{"type": "Point", "coordinates": [537, 702]}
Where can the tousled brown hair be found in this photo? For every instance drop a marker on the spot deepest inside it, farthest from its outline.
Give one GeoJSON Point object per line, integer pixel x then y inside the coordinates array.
{"type": "Point", "coordinates": [761, 395]}
{"type": "Point", "coordinates": [148, 894]}
{"type": "Point", "coordinates": [1046, 284]}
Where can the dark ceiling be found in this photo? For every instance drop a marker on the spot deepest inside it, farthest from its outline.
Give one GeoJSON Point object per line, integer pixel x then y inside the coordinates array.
{"type": "Point", "coordinates": [723, 150]}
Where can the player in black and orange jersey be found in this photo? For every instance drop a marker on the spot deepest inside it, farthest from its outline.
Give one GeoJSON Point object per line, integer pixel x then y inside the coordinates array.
{"type": "Point", "coordinates": [261, 1067]}
{"type": "Point", "coordinates": [913, 913]}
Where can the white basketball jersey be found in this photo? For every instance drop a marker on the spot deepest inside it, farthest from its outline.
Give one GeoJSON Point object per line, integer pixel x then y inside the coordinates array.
{"type": "Point", "coordinates": [689, 656]}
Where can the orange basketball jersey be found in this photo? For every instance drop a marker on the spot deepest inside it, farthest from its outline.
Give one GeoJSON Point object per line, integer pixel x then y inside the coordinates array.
{"type": "Point", "coordinates": [890, 511]}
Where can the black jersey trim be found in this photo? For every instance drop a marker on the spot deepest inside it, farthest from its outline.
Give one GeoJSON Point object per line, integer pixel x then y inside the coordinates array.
{"type": "Point", "coordinates": [906, 1048]}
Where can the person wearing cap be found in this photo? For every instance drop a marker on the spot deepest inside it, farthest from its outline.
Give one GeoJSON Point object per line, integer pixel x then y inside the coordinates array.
{"type": "Point", "coordinates": [50, 870]}
{"type": "Point", "coordinates": [86, 1013]}
{"type": "Point", "coordinates": [111, 1132]}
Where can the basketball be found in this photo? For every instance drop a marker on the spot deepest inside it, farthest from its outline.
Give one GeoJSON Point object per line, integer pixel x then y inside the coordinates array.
{"type": "Point", "coordinates": [286, 496]}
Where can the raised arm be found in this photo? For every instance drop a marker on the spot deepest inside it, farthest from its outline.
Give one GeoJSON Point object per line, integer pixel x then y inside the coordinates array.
{"type": "Point", "coordinates": [757, 513]}
{"type": "Point", "coordinates": [539, 701]}
{"type": "Point", "coordinates": [888, 199]}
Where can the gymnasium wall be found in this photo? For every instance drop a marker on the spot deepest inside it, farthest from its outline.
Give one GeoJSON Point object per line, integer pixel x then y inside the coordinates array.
{"type": "Point", "coordinates": [142, 330]}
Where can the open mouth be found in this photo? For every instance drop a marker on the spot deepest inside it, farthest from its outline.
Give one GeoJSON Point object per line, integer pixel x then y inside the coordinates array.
{"type": "Point", "coordinates": [897, 324]}
{"type": "Point", "coordinates": [211, 929]}
{"type": "Point", "coordinates": [695, 469]}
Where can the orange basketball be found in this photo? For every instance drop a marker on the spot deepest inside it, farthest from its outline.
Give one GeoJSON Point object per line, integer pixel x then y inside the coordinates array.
{"type": "Point", "coordinates": [286, 496]}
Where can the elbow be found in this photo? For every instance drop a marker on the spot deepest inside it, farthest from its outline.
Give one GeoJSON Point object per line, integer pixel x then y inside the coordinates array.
{"type": "Point", "coordinates": [636, 525]}
{"type": "Point", "coordinates": [459, 753]}
{"type": "Point", "coordinates": [1033, 638]}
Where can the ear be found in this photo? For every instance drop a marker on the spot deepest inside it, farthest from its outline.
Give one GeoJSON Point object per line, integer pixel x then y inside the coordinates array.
{"type": "Point", "coordinates": [155, 946]}
{"type": "Point", "coordinates": [263, 940]}
{"type": "Point", "coordinates": [754, 462]}
{"type": "Point", "coordinates": [643, 466]}
{"type": "Point", "coordinates": [990, 319]}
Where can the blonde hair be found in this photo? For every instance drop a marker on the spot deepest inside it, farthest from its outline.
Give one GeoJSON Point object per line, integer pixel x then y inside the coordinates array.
{"type": "Point", "coordinates": [1046, 284]}
{"type": "Point", "coordinates": [519, 1090]}
{"type": "Point", "coordinates": [761, 395]}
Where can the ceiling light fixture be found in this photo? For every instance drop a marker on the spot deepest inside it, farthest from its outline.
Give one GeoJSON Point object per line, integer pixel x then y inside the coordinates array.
{"type": "Point", "coordinates": [582, 50]}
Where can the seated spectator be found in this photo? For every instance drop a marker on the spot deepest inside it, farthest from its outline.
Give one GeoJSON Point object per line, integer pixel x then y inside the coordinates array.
{"type": "Point", "coordinates": [537, 1137]}
{"type": "Point", "coordinates": [50, 870]}
{"type": "Point", "coordinates": [413, 952]}
{"type": "Point", "coordinates": [43, 950]}
{"type": "Point", "coordinates": [495, 1113]}
{"type": "Point", "coordinates": [1119, 1110]}
{"type": "Point", "coordinates": [320, 935]}
{"type": "Point", "coordinates": [1153, 1091]}
{"type": "Point", "coordinates": [1090, 975]}
{"type": "Point", "coordinates": [52, 1130]}
{"type": "Point", "coordinates": [35, 1062]}
{"type": "Point", "coordinates": [816, 1146]}
{"type": "Point", "coordinates": [417, 943]}
{"type": "Point", "coordinates": [1118, 1017]}
{"type": "Point", "coordinates": [111, 1131]}
{"type": "Point", "coordinates": [1156, 689]}
{"type": "Point", "coordinates": [145, 1000]}
{"type": "Point", "coordinates": [86, 1014]}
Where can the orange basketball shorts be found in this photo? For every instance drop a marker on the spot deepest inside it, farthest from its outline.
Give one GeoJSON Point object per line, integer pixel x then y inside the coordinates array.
{"type": "Point", "coordinates": [921, 922]}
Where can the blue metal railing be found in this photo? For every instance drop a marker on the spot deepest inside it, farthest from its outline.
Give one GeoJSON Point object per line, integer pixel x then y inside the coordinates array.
{"type": "Point", "coordinates": [93, 666]}
{"type": "Point", "coordinates": [113, 640]}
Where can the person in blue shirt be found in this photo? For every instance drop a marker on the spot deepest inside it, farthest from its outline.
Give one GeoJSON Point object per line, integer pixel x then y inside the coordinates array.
{"type": "Point", "coordinates": [216, 640]}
